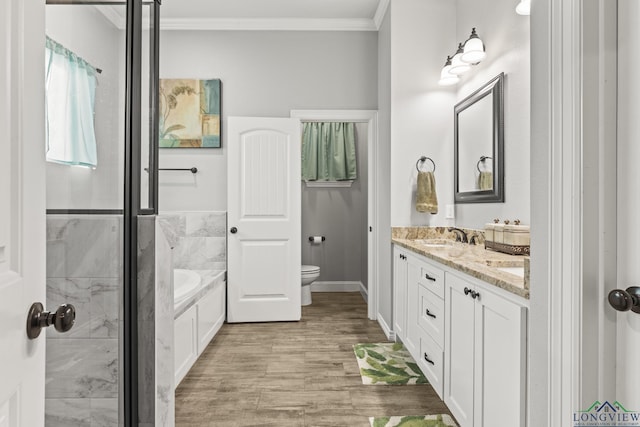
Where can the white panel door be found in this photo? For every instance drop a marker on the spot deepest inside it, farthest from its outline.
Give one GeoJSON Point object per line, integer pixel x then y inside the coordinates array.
{"type": "Point", "coordinates": [22, 210]}
{"type": "Point", "coordinates": [264, 220]}
{"type": "Point", "coordinates": [628, 337]}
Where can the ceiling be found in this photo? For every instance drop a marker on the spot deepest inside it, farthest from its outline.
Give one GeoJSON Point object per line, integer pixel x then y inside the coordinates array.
{"type": "Point", "coordinates": [324, 15]}
{"type": "Point", "coordinates": [296, 15]}
{"type": "Point", "coordinates": [269, 9]}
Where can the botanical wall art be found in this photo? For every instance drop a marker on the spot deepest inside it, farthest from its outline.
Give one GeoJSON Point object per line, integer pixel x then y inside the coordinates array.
{"type": "Point", "coordinates": [190, 113]}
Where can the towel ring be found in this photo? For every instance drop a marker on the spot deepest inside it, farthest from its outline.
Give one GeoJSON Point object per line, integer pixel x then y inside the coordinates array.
{"type": "Point", "coordinates": [424, 159]}
{"type": "Point", "coordinates": [482, 159]}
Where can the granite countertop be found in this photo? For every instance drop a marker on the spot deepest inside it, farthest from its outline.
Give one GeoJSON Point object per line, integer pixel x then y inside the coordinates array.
{"type": "Point", "coordinates": [473, 260]}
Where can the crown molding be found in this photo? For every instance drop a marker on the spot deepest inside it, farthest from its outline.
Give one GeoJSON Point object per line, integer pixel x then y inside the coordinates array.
{"type": "Point", "coordinates": [383, 5]}
{"type": "Point", "coordinates": [112, 16]}
{"type": "Point", "coordinates": [260, 24]}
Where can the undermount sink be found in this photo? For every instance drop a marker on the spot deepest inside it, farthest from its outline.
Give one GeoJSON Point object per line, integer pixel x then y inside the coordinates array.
{"type": "Point", "coordinates": [511, 266]}
{"type": "Point", "coordinates": [434, 243]}
{"type": "Point", "coordinates": [517, 271]}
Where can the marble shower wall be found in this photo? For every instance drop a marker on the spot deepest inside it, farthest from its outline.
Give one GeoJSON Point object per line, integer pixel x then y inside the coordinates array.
{"type": "Point", "coordinates": [198, 239]}
{"type": "Point", "coordinates": [84, 264]}
{"type": "Point", "coordinates": [155, 326]}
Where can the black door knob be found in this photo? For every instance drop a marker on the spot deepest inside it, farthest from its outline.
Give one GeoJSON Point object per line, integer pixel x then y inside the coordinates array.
{"type": "Point", "coordinates": [625, 300]}
{"type": "Point", "coordinates": [233, 230]}
{"type": "Point", "coordinates": [62, 320]}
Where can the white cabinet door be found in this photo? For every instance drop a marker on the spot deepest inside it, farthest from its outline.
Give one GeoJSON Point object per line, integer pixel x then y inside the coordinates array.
{"type": "Point", "coordinates": [399, 292]}
{"type": "Point", "coordinates": [485, 348]}
{"type": "Point", "coordinates": [264, 243]}
{"type": "Point", "coordinates": [412, 331]}
{"type": "Point", "coordinates": [459, 350]}
{"type": "Point", "coordinates": [211, 315]}
{"type": "Point", "coordinates": [22, 210]}
{"type": "Point", "coordinates": [500, 365]}
{"type": "Point", "coordinates": [185, 344]}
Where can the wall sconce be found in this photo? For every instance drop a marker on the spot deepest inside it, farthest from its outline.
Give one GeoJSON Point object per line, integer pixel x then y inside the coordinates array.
{"type": "Point", "coordinates": [458, 66]}
{"type": "Point", "coordinates": [469, 53]}
{"type": "Point", "coordinates": [446, 77]}
{"type": "Point", "coordinates": [524, 8]}
{"type": "Point", "coordinates": [473, 49]}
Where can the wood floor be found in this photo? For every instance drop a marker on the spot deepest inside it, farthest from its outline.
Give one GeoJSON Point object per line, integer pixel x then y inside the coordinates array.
{"type": "Point", "coordinates": [295, 374]}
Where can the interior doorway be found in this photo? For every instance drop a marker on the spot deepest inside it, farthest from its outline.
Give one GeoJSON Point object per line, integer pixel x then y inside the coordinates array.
{"type": "Point", "coordinates": [370, 118]}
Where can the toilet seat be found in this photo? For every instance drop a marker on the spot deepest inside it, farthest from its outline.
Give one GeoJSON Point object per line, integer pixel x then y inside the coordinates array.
{"type": "Point", "coordinates": [310, 269]}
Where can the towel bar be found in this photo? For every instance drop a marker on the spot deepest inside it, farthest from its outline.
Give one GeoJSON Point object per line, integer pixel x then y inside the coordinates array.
{"type": "Point", "coordinates": [192, 170]}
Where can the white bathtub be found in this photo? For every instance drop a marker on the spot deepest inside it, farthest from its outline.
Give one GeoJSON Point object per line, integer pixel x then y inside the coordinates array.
{"type": "Point", "coordinates": [186, 283]}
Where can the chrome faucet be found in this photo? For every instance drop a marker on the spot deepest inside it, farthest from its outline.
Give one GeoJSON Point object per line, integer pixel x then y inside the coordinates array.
{"type": "Point", "coordinates": [474, 239]}
{"type": "Point", "coordinates": [461, 236]}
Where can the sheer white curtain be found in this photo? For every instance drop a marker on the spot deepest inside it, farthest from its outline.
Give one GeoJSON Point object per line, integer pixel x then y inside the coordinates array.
{"type": "Point", "coordinates": [70, 100]}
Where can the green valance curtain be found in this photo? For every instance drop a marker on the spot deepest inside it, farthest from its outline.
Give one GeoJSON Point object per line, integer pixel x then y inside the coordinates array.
{"type": "Point", "coordinates": [328, 152]}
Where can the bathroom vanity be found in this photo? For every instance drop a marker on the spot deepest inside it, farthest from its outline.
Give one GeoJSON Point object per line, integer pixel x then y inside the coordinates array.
{"type": "Point", "coordinates": [461, 311]}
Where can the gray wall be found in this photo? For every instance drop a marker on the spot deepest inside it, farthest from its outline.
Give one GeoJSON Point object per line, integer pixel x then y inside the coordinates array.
{"type": "Point", "coordinates": [339, 214]}
{"type": "Point", "coordinates": [263, 74]}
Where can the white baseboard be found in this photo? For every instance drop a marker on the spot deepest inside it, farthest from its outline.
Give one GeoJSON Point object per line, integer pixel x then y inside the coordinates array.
{"type": "Point", "coordinates": [391, 335]}
{"type": "Point", "coordinates": [364, 292]}
{"type": "Point", "coordinates": [336, 286]}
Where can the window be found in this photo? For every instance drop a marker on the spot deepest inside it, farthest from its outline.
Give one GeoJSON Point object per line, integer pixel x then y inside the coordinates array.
{"type": "Point", "coordinates": [70, 98]}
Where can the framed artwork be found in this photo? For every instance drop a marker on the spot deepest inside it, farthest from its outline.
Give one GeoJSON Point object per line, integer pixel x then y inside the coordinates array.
{"type": "Point", "coordinates": [190, 113]}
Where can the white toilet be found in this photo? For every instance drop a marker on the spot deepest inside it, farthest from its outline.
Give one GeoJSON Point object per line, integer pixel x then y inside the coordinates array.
{"type": "Point", "coordinates": [310, 274]}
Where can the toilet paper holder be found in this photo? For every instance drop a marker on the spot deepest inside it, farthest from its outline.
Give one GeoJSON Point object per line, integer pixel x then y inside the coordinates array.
{"type": "Point", "coordinates": [311, 238]}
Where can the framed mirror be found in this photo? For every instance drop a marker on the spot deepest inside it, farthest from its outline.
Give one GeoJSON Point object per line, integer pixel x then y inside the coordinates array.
{"type": "Point", "coordinates": [479, 145]}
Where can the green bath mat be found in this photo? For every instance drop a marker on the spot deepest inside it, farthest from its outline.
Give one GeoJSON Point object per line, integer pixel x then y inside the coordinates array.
{"type": "Point", "coordinates": [387, 364]}
{"type": "Point", "coordinates": [420, 421]}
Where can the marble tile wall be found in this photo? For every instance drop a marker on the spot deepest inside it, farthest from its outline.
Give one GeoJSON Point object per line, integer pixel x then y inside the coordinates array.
{"type": "Point", "coordinates": [84, 264]}
{"type": "Point", "coordinates": [198, 239]}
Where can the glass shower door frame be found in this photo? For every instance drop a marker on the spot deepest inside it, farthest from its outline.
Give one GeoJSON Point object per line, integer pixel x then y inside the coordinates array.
{"type": "Point", "coordinates": [129, 400]}
{"type": "Point", "coordinates": [132, 202]}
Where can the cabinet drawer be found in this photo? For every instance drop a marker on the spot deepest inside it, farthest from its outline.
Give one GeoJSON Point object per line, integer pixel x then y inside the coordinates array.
{"type": "Point", "coordinates": [431, 361]}
{"type": "Point", "coordinates": [431, 315]}
{"type": "Point", "coordinates": [433, 279]}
